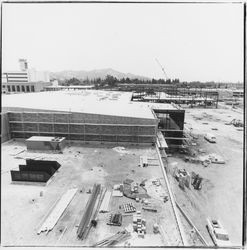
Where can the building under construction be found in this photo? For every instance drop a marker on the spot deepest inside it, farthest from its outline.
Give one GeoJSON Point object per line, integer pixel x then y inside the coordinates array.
{"type": "Point", "coordinates": [102, 116]}
{"type": "Point", "coordinates": [169, 93]}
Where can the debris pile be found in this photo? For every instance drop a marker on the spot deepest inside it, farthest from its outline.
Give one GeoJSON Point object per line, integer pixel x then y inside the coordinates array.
{"type": "Point", "coordinates": [132, 191]}
{"type": "Point", "coordinates": [235, 123]}
{"type": "Point", "coordinates": [121, 150]}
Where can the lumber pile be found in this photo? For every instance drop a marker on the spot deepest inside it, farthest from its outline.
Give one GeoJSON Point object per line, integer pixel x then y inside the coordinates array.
{"type": "Point", "coordinates": [150, 208]}
{"type": "Point", "coordinates": [57, 211]}
{"type": "Point", "coordinates": [129, 207]}
{"type": "Point", "coordinates": [115, 219]}
{"type": "Point", "coordinates": [114, 239]}
{"type": "Point", "coordinates": [105, 203]}
{"type": "Point", "coordinates": [84, 225]}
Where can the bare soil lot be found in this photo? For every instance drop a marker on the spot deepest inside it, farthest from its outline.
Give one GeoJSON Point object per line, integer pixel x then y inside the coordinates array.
{"type": "Point", "coordinates": [23, 209]}
{"type": "Point", "coordinates": [221, 195]}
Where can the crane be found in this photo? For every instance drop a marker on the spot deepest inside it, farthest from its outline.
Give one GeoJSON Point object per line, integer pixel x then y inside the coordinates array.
{"type": "Point", "coordinates": [166, 77]}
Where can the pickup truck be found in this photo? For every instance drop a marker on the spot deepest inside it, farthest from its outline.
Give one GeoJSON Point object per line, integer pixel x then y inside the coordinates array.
{"type": "Point", "coordinates": [218, 234]}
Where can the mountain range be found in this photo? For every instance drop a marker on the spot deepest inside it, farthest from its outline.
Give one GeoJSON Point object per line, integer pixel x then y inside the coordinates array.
{"type": "Point", "coordinates": [93, 74]}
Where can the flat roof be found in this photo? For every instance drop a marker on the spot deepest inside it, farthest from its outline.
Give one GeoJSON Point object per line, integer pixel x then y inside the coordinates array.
{"type": "Point", "coordinates": [70, 87]}
{"type": "Point", "coordinates": [165, 96]}
{"type": "Point", "coordinates": [45, 138]}
{"type": "Point", "coordinates": [114, 103]}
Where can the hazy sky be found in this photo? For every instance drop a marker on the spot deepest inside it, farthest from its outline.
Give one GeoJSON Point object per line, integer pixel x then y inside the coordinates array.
{"type": "Point", "coordinates": [192, 41]}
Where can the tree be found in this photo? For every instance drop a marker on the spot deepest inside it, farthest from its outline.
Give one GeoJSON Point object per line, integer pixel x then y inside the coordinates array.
{"type": "Point", "coordinates": [111, 81]}
{"type": "Point", "coordinates": [73, 81]}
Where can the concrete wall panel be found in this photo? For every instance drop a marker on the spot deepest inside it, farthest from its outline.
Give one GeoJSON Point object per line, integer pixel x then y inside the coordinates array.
{"type": "Point", "coordinates": [76, 128]}
{"type": "Point", "coordinates": [16, 127]}
{"type": "Point", "coordinates": [30, 127]}
{"type": "Point", "coordinates": [63, 118]}
{"type": "Point", "coordinates": [45, 128]}
{"type": "Point", "coordinates": [45, 117]}
{"type": "Point", "coordinates": [92, 129]}
{"type": "Point", "coordinates": [64, 128]}
{"type": "Point", "coordinates": [30, 117]}
{"type": "Point", "coordinates": [14, 116]}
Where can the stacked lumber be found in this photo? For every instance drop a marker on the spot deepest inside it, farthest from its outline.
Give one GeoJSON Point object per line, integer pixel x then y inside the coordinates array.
{"type": "Point", "coordinates": [115, 219]}
{"type": "Point", "coordinates": [114, 239]}
{"type": "Point", "coordinates": [129, 208]}
{"type": "Point", "coordinates": [105, 203]}
{"type": "Point", "coordinates": [86, 218]}
{"type": "Point", "coordinates": [57, 211]}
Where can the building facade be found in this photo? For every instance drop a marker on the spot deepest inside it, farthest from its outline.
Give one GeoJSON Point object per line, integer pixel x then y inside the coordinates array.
{"type": "Point", "coordinates": [25, 80]}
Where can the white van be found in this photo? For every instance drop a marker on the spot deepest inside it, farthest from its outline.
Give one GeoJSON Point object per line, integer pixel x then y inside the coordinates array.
{"type": "Point", "coordinates": [210, 137]}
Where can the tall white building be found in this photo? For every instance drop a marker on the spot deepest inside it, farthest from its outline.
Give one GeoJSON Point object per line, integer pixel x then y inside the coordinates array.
{"type": "Point", "coordinates": [37, 76]}
{"type": "Point", "coordinates": [23, 64]}
{"type": "Point", "coordinates": [25, 80]}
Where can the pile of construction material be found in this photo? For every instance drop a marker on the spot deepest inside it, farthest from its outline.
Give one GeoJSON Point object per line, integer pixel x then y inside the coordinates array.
{"type": "Point", "coordinates": [129, 208]}
{"type": "Point", "coordinates": [139, 224]}
{"type": "Point", "coordinates": [118, 190]}
{"type": "Point", "coordinates": [235, 123]}
{"type": "Point", "coordinates": [156, 182]}
{"type": "Point", "coordinates": [57, 211]}
{"type": "Point", "coordinates": [212, 158]}
{"type": "Point", "coordinates": [149, 208]}
{"type": "Point", "coordinates": [114, 240]}
{"type": "Point", "coordinates": [134, 187]}
{"type": "Point", "coordinates": [104, 208]}
{"type": "Point", "coordinates": [183, 177]}
{"type": "Point", "coordinates": [143, 161]}
{"type": "Point", "coordinates": [115, 219]}
{"type": "Point", "coordinates": [87, 217]}
{"type": "Point", "coordinates": [192, 159]}
{"type": "Point", "coordinates": [196, 181]}
{"type": "Point", "coordinates": [133, 191]}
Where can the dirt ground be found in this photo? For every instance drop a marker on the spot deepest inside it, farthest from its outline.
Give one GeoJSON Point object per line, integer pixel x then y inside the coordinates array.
{"type": "Point", "coordinates": [221, 196]}
{"type": "Point", "coordinates": [23, 209]}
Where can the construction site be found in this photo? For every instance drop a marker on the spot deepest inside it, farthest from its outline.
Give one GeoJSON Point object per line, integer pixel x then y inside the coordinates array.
{"type": "Point", "coordinates": [115, 168]}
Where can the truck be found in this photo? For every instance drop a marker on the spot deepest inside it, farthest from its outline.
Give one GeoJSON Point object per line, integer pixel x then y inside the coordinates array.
{"type": "Point", "coordinates": [217, 232]}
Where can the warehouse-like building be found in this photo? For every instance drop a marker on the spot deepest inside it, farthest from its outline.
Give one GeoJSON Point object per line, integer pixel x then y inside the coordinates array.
{"type": "Point", "coordinates": [89, 115]}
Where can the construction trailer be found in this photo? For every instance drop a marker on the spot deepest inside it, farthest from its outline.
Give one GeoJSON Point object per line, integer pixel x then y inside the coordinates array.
{"type": "Point", "coordinates": [46, 143]}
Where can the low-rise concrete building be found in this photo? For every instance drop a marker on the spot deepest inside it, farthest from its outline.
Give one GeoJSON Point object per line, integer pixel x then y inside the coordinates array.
{"type": "Point", "coordinates": [90, 115]}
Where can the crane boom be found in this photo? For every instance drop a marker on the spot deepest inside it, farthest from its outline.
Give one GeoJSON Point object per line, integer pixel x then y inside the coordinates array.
{"type": "Point", "coordinates": [162, 68]}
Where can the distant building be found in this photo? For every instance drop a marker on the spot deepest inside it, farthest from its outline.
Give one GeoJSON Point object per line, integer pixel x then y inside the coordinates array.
{"type": "Point", "coordinates": [25, 80]}
{"type": "Point", "coordinates": [23, 64]}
